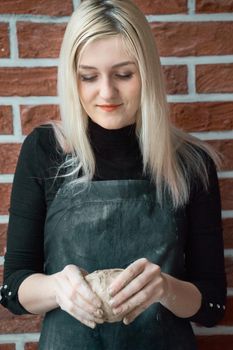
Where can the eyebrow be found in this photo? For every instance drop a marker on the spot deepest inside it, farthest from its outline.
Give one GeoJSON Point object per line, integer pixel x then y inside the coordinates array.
{"type": "Point", "coordinates": [126, 63]}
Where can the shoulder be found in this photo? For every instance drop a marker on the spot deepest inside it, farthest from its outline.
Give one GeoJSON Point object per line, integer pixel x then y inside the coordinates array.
{"type": "Point", "coordinates": [42, 141]}
{"type": "Point", "coordinates": [43, 136]}
{"type": "Point", "coordinates": [41, 151]}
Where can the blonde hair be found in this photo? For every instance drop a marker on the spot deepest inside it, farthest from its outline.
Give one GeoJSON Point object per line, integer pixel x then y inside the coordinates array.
{"type": "Point", "coordinates": [170, 156]}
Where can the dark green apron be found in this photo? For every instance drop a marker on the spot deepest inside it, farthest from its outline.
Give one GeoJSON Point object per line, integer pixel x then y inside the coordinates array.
{"type": "Point", "coordinates": [110, 225]}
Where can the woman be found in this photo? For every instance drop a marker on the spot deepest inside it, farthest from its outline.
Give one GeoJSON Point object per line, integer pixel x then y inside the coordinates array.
{"type": "Point", "coordinates": [114, 185]}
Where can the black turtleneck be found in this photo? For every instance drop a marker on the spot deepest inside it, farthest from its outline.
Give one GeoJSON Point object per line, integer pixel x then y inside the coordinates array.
{"type": "Point", "coordinates": [117, 152]}
{"type": "Point", "coordinates": [117, 156]}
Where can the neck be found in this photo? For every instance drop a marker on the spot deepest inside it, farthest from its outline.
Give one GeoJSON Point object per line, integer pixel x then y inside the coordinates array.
{"type": "Point", "coordinates": [112, 141]}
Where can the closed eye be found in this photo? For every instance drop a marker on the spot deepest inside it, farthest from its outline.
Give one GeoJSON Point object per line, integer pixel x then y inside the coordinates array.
{"type": "Point", "coordinates": [87, 78]}
{"type": "Point", "coordinates": [90, 78]}
{"type": "Point", "coordinates": [124, 76]}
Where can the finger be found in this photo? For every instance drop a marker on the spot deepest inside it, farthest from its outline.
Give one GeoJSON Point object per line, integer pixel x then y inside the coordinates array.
{"type": "Point", "coordinates": [77, 312]}
{"type": "Point", "coordinates": [126, 276]}
{"type": "Point", "coordinates": [69, 298]}
{"type": "Point", "coordinates": [130, 317]}
{"type": "Point", "coordinates": [83, 304]}
{"type": "Point", "coordinates": [87, 323]}
{"type": "Point", "coordinates": [133, 287]}
{"type": "Point", "coordinates": [66, 290]}
{"type": "Point", "coordinates": [79, 283]}
{"type": "Point", "coordinates": [83, 314]}
{"type": "Point", "coordinates": [148, 292]}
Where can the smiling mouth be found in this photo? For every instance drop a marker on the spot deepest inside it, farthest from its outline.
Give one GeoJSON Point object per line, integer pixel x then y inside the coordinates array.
{"type": "Point", "coordinates": [109, 108]}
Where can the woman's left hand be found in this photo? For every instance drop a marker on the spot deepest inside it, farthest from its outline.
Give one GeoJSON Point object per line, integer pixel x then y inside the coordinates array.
{"type": "Point", "coordinates": [136, 288]}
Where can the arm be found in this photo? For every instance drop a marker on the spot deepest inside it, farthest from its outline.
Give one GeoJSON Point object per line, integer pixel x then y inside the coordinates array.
{"type": "Point", "coordinates": [205, 250]}
{"type": "Point", "coordinates": [31, 290]}
{"type": "Point", "coordinates": [182, 298]}
{"type": "Point", "coordinates": [24, 255]}
{"type": "Point", "coordinates": [26, 288]}
{"type": "Point", "coordinates": [31, 193]}
{"type": "Point", "coordinates": [202, 297]}
{"type": "Point", "coordinates": [142, 283]}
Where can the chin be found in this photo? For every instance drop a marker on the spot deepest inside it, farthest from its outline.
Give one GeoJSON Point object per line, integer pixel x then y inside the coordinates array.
{"type": "Point", "coordinates": [111, 123]}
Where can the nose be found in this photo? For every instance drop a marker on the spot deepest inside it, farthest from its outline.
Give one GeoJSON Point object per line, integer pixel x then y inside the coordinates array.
{"type": "Point", "coordinates": [107, 90]}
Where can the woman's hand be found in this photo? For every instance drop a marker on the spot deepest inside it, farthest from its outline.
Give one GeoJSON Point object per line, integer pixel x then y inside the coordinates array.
{"type": "Point", "coordinates": [136, 288]}
{"type": "Point", "coordinates": [74, 296]}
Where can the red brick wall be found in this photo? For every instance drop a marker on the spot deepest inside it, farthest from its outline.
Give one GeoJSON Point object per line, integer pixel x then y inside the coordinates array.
{"type": "Point", "coordinates": [195, 43]}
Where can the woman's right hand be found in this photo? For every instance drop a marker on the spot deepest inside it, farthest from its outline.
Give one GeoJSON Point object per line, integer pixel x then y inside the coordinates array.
{"type": "Point", "coordinates": [75, 296]}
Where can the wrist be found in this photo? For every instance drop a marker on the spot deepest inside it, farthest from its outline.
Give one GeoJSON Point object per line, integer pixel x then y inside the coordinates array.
{"type": "Point", "coordinates": [180, 297]}
{"type": "Point", "coordinates": [52, 283]}
{"type": "Point", "coordinates": [168, 296]}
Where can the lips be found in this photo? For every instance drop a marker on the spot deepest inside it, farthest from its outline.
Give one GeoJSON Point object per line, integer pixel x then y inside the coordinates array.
{"type": "Point", "coordinates": [109, 108]}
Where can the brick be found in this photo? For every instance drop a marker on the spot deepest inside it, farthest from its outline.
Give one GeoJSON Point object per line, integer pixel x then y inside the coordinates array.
{"type": "Point", "coordinates": [5, 191]}
{"type": "Point", "coordinates": [31, 346]}
{"type": "Point", "coordinates": [3, 229]}
{"type": "Point", "coordinates": [214, 6]}
{"type": "Point", "coordinates": [11, 324]}
{"type": "Point", "coordinates": [38, 7]}
{"type": "Point", "coordinates": [229, 271]}
{"type": "Point", "coordinates": [162, 7]}
{"type": "Point", "coordinates": [215, 342]}
{"type": "Point", "coordinates": [4, 40]}
{"type": "Point", "coordinates": [214, 78]}
{"type": "Point", "coordinates": [193, 38]}
{"type": "Point", "coordinates": [7, 346]}
{"type": "Point", "coordinates": [228, 317]}
{"type": "Point", "coordinates": [9, 153]}
{"type": "Point", "coordinates": [228, 233]}
{"type": "Point", "coordinates": [224, 147]}
{"type": "Point", "coordinates": [6, 120]}
{"type": "Point", "coordinates": [31, 43]}
{"type": "Point", "coordinates": [32, 116]}
{"type": "Point", "coordinates": [176, 79]}
{"type": "Point", "coordinates": [202, 116]}
{"type": "Point", "coordinates": [226, 188]}
{"type": "Point", "coordinates": [28, 81]}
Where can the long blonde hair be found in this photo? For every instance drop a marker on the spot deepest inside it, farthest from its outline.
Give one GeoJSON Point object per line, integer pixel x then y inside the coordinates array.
{"type": "Point", "coordinates": [166, 151]}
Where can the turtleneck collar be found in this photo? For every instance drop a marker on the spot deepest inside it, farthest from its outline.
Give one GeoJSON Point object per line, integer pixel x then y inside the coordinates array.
{"type": "Point", "coordinates": [112, 141]}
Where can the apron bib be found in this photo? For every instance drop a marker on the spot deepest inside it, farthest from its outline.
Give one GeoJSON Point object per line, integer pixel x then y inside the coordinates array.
{"type": "Point", "coordinates": [110, 224]}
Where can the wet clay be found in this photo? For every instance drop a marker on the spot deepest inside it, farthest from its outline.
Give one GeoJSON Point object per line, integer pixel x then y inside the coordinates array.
{"type": "Point", "coordinates": [99, 281]}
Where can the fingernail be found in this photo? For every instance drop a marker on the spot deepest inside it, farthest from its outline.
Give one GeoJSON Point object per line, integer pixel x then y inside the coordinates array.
{"type": "Point", "coordinates": [126, 321]}
{"type": "Point", "coordinates": [100, 321]}
{"type": "Point", "coordinates": [99, 312]}
{"type": "Point", "coordinates": [98, 303]}
{"type": "Point", "coordinates": [110, 291]}
{"type": "Point", "coordinates": [116, 311]}
{"type": "Point", "coordinates": [111, 302]}
{"type": "Point", "coordinates": [92, 324]}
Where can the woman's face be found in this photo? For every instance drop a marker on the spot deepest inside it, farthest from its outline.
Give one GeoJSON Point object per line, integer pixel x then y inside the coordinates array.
{"type": "Point", "coordinates": [109, 83]}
